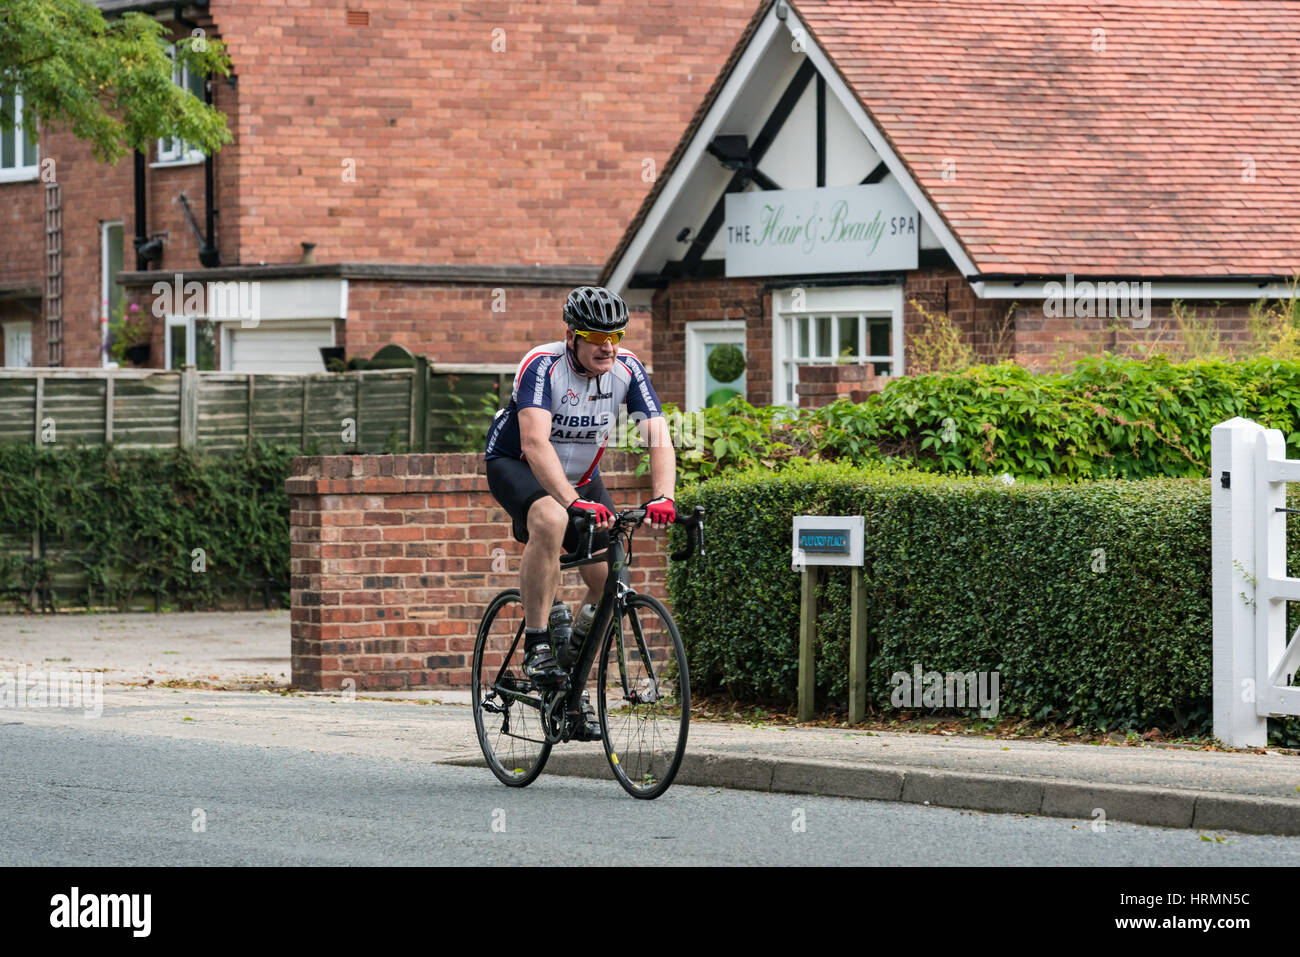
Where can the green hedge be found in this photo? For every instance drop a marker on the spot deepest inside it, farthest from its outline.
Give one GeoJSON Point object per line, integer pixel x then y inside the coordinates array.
{"type": "Point", "coordinates": [966, 574]}
{"type": "Point", "coordinates": [119, 528]}
{"type": "Point", "coordinates": [1107, 418]}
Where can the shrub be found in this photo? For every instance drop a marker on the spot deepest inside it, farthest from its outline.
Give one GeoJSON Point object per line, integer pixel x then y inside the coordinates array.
{"type": "Point", "coordinates": [966, 574]}
{"type": "Point", "coordinates": [1108, 418]}
{"type": "Point", "coordinates": [120, 528]}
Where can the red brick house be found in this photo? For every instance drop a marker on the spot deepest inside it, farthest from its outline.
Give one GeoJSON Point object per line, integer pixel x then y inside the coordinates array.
{"type": "Point", "coordinates": [1051, 175]}
{"type": "Point", "coordinates": [456, 168]}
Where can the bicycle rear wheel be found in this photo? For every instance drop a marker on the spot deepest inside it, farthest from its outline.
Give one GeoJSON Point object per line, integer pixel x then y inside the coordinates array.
{"type": "Point", "coordinates": [507, 708]}
{"type": "Point", "coordinates": [645, 697]}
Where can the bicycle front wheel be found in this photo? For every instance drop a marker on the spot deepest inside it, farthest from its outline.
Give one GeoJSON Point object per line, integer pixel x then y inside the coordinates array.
{"type": "Point", "coordinates": [645, 697]}
{"type": "Point", "coordinates": [507, 708]}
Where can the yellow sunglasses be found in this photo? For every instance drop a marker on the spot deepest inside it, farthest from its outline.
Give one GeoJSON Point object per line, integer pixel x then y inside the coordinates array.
{"type": "Point", "coordinates": [600, 338]}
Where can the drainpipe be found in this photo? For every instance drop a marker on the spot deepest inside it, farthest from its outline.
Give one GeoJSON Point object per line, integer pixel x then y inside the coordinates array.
{"type": "Point", "coordinates": [146, 250]}
{"type": "Point", "coordinates": [208, 253]}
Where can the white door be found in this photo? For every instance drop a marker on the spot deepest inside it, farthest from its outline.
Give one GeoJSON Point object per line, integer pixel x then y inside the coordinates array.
{"type": "Point", "coordinates": [18, 345]}
{"type": "Point", "coordinates": [278, 347]}
{"type": "Point", "coordinates": [715, 362]}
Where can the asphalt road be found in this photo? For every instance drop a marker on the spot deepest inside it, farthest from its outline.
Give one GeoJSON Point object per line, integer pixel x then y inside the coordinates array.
{"type": "Point", "coordinates": [69, 796]}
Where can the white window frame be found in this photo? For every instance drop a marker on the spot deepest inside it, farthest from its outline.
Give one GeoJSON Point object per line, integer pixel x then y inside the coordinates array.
{"type": "Point", "coordinates": [863, 301]}
{"type": "Point", "coordinates": [725, 330]}
{"type": "Point", "coordinates": [14, 174]}
{"type": "Point", "coordinates": [105, 284]}
{"type": "Point", "coordinates": [172, 150]}
{"type": "Point", "coordinates": [11, 332]}
{"type": "Point", "coordinates": [172, 322]}
{"type": "Point", "coordinates": [188, 322]}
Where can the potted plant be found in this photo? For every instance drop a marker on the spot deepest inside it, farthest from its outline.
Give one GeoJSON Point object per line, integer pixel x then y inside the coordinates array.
{"type": "Point", "coordinates": [129, 333]}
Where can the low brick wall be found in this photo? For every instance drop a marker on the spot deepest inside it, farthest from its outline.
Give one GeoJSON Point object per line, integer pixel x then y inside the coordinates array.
{"type": "Point", "coordinates": [823, 383]}
{"type": "Point", "coordinates": [395, 557]}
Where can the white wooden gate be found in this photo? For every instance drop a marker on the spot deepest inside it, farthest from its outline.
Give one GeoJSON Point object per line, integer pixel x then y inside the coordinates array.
{"type": "Point", "coordinates": [1253, 663]}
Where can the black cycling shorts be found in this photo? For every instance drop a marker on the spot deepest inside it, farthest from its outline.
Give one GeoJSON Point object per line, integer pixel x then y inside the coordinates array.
{"type": "Point", "coordinates": [516, 488]}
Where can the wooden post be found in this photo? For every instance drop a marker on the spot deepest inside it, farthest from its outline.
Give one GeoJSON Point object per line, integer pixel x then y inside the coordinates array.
{"type": "Point", "coordinates": [306, 387]}
{"type": "Point", "coordinates": [419, 402]}
{"type": "Point", "coordinates": [189, 437]}
{"type": "Point", "coordinates": [420, 405]}
{"type": "Point", "coordinates": [807, 640]}
{"type": "Point", "coordinates": [108, 408]}
{"type": "Point", "coordinates": [40, 410]}
{"type": "Point", "coordinates": [356, 410]}
{"type": "Point", "coordinates": [858, 650]}
{"type": "Point", "coordinates": [251, 380]}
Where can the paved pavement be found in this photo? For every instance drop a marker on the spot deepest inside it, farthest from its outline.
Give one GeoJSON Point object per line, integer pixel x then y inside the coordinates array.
{"type": "Point", "coordinates": [1172, 787]}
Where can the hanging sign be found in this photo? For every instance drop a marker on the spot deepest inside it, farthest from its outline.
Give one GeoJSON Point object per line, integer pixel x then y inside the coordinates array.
{"type": "Point", "coordinates": [835, 229]}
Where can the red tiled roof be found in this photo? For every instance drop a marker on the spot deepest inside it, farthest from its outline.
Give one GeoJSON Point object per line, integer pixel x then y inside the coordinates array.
{"type": "Point", "coordinates": [1132, 159]}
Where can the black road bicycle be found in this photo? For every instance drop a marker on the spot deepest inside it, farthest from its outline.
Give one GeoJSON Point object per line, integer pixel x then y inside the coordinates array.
{"type": "Point", "coordinates": [642, 687]}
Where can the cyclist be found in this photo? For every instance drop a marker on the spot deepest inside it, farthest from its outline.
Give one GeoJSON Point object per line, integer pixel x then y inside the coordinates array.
{"type": "Point", "coordinates": [542, 452]}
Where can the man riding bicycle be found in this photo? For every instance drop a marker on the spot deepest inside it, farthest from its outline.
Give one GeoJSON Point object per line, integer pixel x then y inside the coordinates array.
{"type": "Point", "coordinates": [542, 452]}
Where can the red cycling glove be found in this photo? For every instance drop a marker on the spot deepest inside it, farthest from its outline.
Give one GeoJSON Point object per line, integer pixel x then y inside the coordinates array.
{"type": "Point", "coordinates": [661, 511]}
{"type": "Point", "coordinates": [597, 510]}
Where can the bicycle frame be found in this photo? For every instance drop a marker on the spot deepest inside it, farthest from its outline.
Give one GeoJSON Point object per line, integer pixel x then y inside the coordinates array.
{"type": "Point", "coordinates": [618, 585]}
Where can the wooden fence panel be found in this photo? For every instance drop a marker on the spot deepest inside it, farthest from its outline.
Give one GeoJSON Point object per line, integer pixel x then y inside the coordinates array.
{"type": "Point", "coordinates": [460, 423]}
{"type": "Point", "coordinates": [385, 414]}
{"type": "Point", "coordinates": [223, 411]}
{"type": "Point", "coordinates": [147, 411]}
{"type": "Point", "coordinates": [411, 409]}
{"type": "Point", "coordinates": [75, 409]}
{"type": "Point", "coordinates": [332, 411]}
{"type": "Point", "coordinates": [17, 402]}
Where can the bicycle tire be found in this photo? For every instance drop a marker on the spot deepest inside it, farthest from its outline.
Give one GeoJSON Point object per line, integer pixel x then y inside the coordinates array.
{"type": "Point", "coordinates": [515, 755]}
{"type": "Point", "coordinates": [644, 715]}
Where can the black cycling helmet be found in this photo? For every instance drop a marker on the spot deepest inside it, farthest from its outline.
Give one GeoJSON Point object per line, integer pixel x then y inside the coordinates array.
{"type": "Point", "coordinates": [595, 309]}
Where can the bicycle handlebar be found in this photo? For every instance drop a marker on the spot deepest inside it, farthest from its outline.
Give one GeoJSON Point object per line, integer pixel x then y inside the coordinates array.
{"type": "Point", "coordinates": [694, 525]}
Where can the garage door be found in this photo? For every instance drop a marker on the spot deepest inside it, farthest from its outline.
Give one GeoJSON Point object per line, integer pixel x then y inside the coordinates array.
{"type": "Point", "coordinates": [279, 347]}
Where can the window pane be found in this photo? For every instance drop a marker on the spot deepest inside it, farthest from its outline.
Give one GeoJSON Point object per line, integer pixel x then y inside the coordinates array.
{"type": "Point", "coordinates": [824, 336]}
{"type": "Point", "coordinates": [113, 253]}
{"type": "Point", "coordinates": [848, 336]}
{"type": "Point", "coordinates": [7, 134]}
{"type": "Point", "coordinates": [205, 346]}
{"type": "Point", "coordinates": [177, 357]}
{"type": "Point", "coordinates": [29, 155]}
{"type": "Point", "coordinates": [803, 336]}
{"type": "Point", "coordinates": [881, 331]}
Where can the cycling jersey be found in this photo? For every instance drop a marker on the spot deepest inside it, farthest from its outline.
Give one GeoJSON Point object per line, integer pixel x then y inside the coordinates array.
{"type": "Point", "coordinates": [583, 410]}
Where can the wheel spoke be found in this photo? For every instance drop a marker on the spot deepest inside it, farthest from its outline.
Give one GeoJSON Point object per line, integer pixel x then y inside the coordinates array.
{"type": "Point", "coordinates": [644, 697]}
{"type": "Point", "coordinates": [507, 715]}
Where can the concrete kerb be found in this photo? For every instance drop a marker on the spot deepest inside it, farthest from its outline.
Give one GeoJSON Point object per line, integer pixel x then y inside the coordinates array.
{"type": "Point", "coordinates": [1003, 794]}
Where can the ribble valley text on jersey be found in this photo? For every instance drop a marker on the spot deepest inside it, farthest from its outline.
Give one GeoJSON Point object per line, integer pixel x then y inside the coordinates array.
{"type": "Point", "coordinates": [578, 427]}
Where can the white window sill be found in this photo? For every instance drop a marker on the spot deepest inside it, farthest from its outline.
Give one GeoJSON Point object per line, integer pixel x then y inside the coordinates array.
{"type": "Point", "coordinates": [25, 175]}
{"type": "Point", "coordinates": [191, 161]}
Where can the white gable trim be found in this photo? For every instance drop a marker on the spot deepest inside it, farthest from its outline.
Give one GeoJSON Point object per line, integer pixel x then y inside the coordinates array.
{"type": "Point", "coordinates": [695, 150]}
{"type": "Point", "coordinates": [721, 106]}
